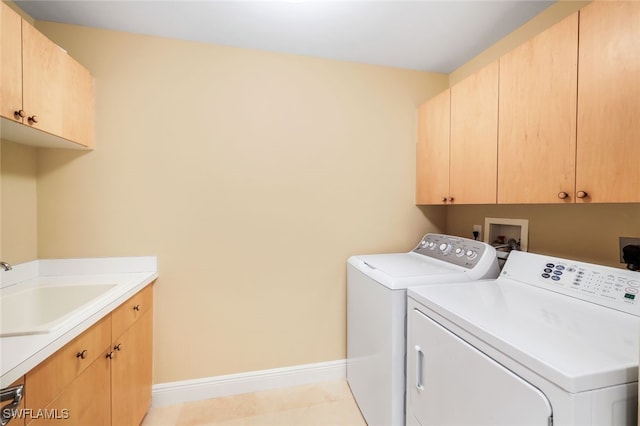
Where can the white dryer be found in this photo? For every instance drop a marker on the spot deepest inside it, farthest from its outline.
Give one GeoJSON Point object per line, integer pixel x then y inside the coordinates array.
{"type": "Point", "coordinates": [376, 314]}
{"type": "Point", "coordinates": [551, 341]}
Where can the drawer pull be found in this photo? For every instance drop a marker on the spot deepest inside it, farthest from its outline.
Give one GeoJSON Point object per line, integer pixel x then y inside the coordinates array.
{"type": "Point", "coordinates": [118, 347]}
{"type": "Point", "coordinates": [136, 308]}
{"type": "Point", "coordinates": [82, 355]}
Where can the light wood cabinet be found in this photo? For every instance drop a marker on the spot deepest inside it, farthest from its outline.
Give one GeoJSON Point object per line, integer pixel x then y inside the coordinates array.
{"type": "Point", "coordinates": [432, 150]}
{"type": "Point", "coordinates": [457, 142]}
{"type": "Point", "coordinates": [102, 377]}
{"type": "Point", "coordinates": [608, 140]}
{"type": "Point", "coordinates": [131, 365]}
{"type": "Point", "coordinates": [474, 138]}
{"type": "Point", "coordinates": [43, 88]}
{"type": "Point", "coordinates": [11, 57]}
{"type": "Point", "coordinates": [537, 110]}
{"type": "Point", "coordinates": [46, 381]}
{"type": "Point", "coordinates": [567, 119]}
{"type": "Point", "coordinates": [86, 401]}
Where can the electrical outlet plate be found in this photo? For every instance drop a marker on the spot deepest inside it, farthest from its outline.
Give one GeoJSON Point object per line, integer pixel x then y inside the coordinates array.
{"type": "Point", "coordinates": [625, 241]}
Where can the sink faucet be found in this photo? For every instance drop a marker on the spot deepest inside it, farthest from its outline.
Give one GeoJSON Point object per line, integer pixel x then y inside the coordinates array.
{"type": "Point", "coordinates": [5, 266]}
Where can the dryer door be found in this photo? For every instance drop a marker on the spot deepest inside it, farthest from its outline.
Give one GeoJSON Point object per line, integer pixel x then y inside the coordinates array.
{"type": "Point", "coordinates": [450, 382]}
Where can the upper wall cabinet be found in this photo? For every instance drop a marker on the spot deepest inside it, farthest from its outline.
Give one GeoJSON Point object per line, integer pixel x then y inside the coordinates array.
{"type": "Point", "coordinates": [608, 148]}
{"type": "Point", "coordinates": [457, 143]}
{"type": "Point", "coordinates": [432, 150]}
{"type": "Point", "coordinates": [537, 109]}
{"type": "Point", "coordinates": [474, 138]}
{"type": "Point", "coordinates": [11, 57]}
{"type": "Point", "coordinates": [43, 88]}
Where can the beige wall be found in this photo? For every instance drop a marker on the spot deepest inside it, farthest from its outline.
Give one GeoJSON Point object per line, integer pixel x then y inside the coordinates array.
{"type": "Point", "coordinates": [18, 202]}
{"type": "Point", "coordinates": [587, 232]}
{"type": "Point", "coordinates": [253, 176]}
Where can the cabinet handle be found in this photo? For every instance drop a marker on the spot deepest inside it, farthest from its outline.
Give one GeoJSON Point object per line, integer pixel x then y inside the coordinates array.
{"type": "Point", "coordinates": [33, 119]}
{"type": "Point", "coordinates": [450, 199]}
{"type": "Point", "coordinates": [582, 194]}
{"type": "Point", "coordinates": [109, 355]}
{"type": "Point", "coordinates": [82, 355]}
{"type": "Point", "coordinates": [136, 308]}
{"type": "Point", "coordinates": [19, 114]}
{"type": "Point", "coordinates": [118, 347]}
{"type": "Point", "coordinates": [562, 195]}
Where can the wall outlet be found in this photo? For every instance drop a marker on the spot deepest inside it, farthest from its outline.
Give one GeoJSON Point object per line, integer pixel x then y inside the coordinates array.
{"type": "Point", "coordinates": [625, 241]}
{"type": "Point", "coordinates": [478, 229]}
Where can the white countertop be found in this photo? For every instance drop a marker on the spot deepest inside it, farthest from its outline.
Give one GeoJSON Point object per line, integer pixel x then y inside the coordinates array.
{"type": "Point", "coordinates": [19, 354]}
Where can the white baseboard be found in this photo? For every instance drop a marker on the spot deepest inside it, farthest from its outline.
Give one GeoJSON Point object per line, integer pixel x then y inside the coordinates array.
{"type": "Point", "coordinates": [252, 381]}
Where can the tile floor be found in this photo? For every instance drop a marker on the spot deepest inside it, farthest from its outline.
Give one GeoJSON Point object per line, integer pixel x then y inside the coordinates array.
{"type": "Point", "coordinates": [323, 404]}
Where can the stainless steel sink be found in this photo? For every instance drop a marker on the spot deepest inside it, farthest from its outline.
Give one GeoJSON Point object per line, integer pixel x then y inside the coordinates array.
{"type": "Point", "coordinates": [38, 310]}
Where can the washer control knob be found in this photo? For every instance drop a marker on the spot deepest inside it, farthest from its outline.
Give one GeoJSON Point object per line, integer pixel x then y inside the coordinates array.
{"type": "Point", "coordinates": [471, 254]}
{"type": "Point", "coordinates": [445, 248]}
{"type": "Point", "coordinates": [459, 252]}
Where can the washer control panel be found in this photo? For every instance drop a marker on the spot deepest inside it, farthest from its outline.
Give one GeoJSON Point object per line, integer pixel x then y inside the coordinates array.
{"type": "Point", "coordinates": [611, 287]}
{"type": "Point", "coordinates": [457, 250]}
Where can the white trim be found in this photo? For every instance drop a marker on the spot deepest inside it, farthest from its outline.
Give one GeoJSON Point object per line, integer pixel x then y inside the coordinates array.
{"type": "Point", "coordinates": [252, 381]}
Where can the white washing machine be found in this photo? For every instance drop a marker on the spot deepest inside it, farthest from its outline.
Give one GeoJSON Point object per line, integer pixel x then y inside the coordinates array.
{"type": "Point", "coordinates": [376, 314]}
{"type": "Point", "coordinates": [550, 342]}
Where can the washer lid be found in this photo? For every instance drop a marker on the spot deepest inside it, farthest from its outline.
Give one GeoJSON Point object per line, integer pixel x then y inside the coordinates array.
{"type": "Point", "coordinates": [575, 344]}
{"type": "Point", "coordinates": [402, 270]}
{"type": "Point", "coordinates": [407, 264]}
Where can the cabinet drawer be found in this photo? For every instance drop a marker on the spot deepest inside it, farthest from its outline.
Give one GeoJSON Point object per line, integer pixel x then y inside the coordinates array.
{"type": "Point", "coordinates": [50, 377]}
{"type": "Point", "coordinates": [86, 401]}
{"type": "Point", "coordinates": [129, 312]}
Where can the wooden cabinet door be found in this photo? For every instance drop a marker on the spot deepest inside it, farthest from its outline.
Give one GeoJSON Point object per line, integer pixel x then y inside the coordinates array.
{"type": "Point", "coordinates": [54, 374]}
{"type": "Point", "coordinates": [537, 110]}
{"type": "Point", "coordinates": [77, 103]}
{"type": "Point", "coordinates": [432, 150]}
{"type": "Point", "coordinates": [86, 401]}
{"type": "Point", "coordinates": [609, 102]}
{"type": "Point", "coordinates": [131, 369]}
{"type": "Point", "coordinates": [43, 80]}
{"type": "Point", "coordinates": [474, 138]}
{"type": "Point", "coordinates": [11, 62]}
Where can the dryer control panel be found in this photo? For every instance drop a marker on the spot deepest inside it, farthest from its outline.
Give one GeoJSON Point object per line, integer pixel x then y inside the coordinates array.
{"type": "Point", "coordinates": [614, 288]}
{"type": "Point", "coordinates": [457, 250]}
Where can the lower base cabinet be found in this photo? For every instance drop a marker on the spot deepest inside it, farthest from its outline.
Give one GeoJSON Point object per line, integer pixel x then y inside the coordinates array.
{"type": "Point", "coordinates": [102, 377]}
{"type": "Point", "coordinates": [131, 373]}
{"type": "Point", "coordinates": [86, 401]}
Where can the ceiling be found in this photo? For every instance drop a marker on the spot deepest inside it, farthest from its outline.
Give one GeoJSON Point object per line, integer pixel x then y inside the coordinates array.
{"type": "Point", "coordinates": [436, 36]}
